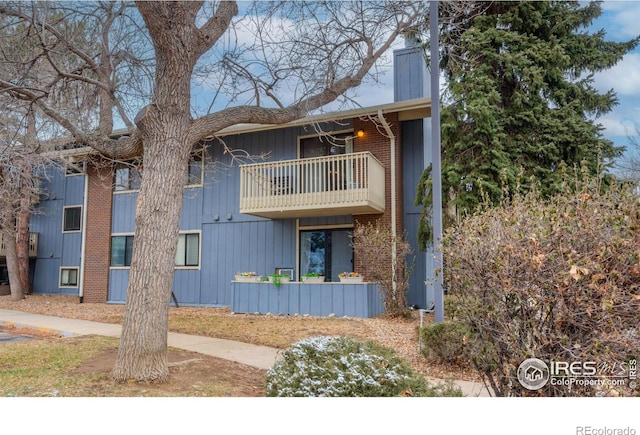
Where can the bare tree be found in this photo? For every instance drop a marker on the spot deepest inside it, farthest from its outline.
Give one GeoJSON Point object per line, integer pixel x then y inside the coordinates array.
{"type": "Point", "coordinates": [273, 64]}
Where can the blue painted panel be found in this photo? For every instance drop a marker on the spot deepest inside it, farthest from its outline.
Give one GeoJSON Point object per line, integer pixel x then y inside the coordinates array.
{"type": "Point", "coordinates": [124, 209]}
{"type": "Point", "coordinates": [351, 300]}
{"type": "Point", "coordinates": [413, 134]}
{"type": "Point", "coordinates": [46, 220]}
{"type": "Point", "coordinates": [45, 276]}
{"type": "Point", "coordinates": [411, 78]}
{"type": "Point", "coordinates": [71, 249]}
{"type": "Point", "coordinates": [186, 286]}
{"type": "Point", "coordinates": [74, 190]}
{"type": "Point", "coordinates": [118, 280]}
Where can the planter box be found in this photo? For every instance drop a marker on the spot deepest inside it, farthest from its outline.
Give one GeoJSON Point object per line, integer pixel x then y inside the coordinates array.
{"type": "Point", "coordinates": [283, 279]}
{"type": "Point", "coordinates": [313, 279]}
{"type": "Point", "coordinates": [298, 298]}
{"type": "Point", "coordinates": [246, 278]}
{"type": "Point", "coordinates": [352, 279]}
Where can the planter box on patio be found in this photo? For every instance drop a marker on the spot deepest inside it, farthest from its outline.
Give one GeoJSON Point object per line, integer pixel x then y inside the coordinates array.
{"type": "Point", "coordinates": [298, 298]}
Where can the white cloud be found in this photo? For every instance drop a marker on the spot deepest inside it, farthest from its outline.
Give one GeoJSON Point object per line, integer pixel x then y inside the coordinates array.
{"type": "Point", "coordinates": [625, 15]}
{"type": "Point", "coordinates": [618, 127]}
{"type": "Point", "coordinates": [623, 78]}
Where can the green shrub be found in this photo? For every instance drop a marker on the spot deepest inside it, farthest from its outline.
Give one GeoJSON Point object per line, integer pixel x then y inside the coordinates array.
{"type": "Point", "coordinates": [447, 341]}
{"type": "Point", "coordinates": [556, 279]}
{"type": "Point", "coordinates": [345, 367]}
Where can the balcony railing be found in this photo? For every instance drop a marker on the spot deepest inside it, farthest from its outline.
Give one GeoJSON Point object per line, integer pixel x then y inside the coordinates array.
{"type": "Point", "coordinates": [320, 186]}
{"type": "Point", "coordinates": [33, 245]}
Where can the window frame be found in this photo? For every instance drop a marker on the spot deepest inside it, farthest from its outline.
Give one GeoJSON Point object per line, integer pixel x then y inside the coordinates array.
{"type": "Point", "coordinates": [184, 234]}
{"type": "Point", "coordinates": [126, 236]}
{"type": "Point", "coordinates": [73, 169]}
{"type": "Point", "coordinates": [64, 220]}
{"type": "Point", "coordinates": [69, 285]}
{"type": "Point", "coordinates": [132, 166]}
{"type": "Point", "coordinates": [200, 154]}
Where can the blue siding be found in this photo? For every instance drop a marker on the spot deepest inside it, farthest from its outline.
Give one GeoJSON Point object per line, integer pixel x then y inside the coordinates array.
{"type": "Point", "coordinates": [351, 300]}
{"type": "Point", "coordinates": [413, 134]}
{"type": "Point", "coordinates": [55, 248]}
{"type": "Point", "coordinates": [123, 215]}
{"type": "Point", "coordinates": [411, 77]}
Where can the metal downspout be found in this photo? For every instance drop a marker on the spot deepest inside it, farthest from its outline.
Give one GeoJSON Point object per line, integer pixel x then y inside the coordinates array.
{"type": "Point", "coordinates": [392, 143]}
{"type": "Point", "coordinates": [84, 235]}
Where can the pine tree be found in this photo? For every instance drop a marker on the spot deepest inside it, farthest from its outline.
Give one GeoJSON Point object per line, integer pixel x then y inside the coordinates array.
{"type": "Point", "coordinates": [520, 100]}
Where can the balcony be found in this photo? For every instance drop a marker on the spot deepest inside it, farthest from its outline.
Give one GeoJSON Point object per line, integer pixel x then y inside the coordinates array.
{"type": "Point", "coordinates": [320, 186]}
{"type": "Point", "coordinates": [33, 245]}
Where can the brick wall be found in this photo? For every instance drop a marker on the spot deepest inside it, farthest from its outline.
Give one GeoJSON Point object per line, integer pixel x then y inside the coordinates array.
{"type": "Point", "coordinates": [380, 146]}
{"type": "Point", "coordinates": [98, 234]}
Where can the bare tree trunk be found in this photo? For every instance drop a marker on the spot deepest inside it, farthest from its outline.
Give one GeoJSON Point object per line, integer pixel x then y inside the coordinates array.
{"type": "Point", "coordinates": [22, 244]}
{"type": "Point", "coordinates": [17, 292]}
{"type": "Point", "coordinates": [142, 354]}
{"type": "Point", "coordinates": [143, 347]}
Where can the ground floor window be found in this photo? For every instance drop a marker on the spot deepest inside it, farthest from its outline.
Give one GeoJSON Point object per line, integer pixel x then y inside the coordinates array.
{"type": "Point", "coordinates": [327, 252]}
{"type": "Point", "coordinates": [69, 277]}
{"type": "Point", "coordinates": [188, 253]}
{"type": "Point", "coordinates": [121, 251]}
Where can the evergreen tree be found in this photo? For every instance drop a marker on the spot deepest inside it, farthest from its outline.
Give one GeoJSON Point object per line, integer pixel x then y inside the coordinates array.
{"type": "Point", "coordinates": [520, 100]}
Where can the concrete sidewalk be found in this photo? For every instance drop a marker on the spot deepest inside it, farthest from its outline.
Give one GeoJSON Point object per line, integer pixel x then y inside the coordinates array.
{"type": "Point", "coordinates": [261, 357]}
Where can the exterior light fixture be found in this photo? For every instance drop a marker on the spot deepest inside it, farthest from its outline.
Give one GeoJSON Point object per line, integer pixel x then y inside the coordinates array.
{"type": "Point", "coordinates": [360, 133]}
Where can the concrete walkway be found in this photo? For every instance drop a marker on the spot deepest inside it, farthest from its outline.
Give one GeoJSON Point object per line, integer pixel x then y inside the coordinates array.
{"type": "Point", "coordinates": [261, 357]}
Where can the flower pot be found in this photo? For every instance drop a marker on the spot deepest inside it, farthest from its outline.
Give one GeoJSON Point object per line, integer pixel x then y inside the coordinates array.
{"type": "Point", "coordinates": [352, 279]}
{"type": "Point", "coordinates": [312, 279]}
{"type": "Point", "coordinates": [239, 278]}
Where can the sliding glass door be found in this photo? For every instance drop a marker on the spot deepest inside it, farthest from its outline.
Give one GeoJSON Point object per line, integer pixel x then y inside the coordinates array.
{"type": "Point", "coordinates": [326, 252]}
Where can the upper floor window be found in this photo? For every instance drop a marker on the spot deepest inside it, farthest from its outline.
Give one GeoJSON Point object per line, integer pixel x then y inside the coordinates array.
{"type": "Point", "coordinates": [128, 176]}
{"type": "Point", "coordinates": [75, 168]}
{"type": "Point", "coordinates": [71, 218]}
{"type": "Point", "coordinates": [196, 168]}
{"type": "Point", "coordinates": [326, 145]}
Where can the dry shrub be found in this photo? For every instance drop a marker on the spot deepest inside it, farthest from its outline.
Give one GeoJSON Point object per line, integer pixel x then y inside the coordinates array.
{"type": "Point", "coordinates": [375, 244]}
{"type": "Point", "coordinates": [556, 280]}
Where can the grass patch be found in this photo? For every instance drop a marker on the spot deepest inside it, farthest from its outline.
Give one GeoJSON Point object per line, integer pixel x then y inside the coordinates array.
{"type": "Point", "coordinates": [81, 367]}
{"type": "Point", "coordinates": [274, 331]}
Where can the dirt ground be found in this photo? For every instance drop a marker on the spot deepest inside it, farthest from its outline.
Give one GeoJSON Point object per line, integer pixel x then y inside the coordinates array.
{"type": "Point", "coordinates": [190, 370]}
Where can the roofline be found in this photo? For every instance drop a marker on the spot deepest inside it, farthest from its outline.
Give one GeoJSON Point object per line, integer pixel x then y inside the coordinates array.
{"type": "Point", "coordinates": [407, 110]}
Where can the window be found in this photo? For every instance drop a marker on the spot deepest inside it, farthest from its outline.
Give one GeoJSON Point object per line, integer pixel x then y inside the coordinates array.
{"type": "Point", "coordinates": [188, 253]}
{"type": "Point", "coordinates": [121, 251]}
{"type": "Point", "coordinates": [71, 218]}
{"type": "Point", "coordinates": [326, 252]}
{"type": "Point", "coordinates": [128, 176]}
{"type": "Point", "coordinates": [69, 277]}
{"type": "Point", "coordinates": [196, 168]}
{"type": "Point", "coordinates": [75, 168]}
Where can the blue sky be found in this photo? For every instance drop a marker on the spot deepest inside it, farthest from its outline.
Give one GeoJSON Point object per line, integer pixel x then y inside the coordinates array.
{"type": "Point", "coordinates": [621, 21]}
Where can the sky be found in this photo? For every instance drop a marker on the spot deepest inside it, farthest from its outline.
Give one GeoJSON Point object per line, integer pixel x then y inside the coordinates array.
{"type": "Point", "coordinates": [621, 21]}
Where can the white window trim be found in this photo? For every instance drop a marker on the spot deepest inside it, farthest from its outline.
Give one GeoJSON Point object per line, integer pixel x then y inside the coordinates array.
{"type": "Point", "coordinates": [199, 266]}
{"type": "Point", "coordinates": [77, 269]}
{"type": "Point", "coordinates": [81, 215]}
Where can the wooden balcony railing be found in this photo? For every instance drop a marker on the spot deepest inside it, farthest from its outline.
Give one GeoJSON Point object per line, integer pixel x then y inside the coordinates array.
{"type": "Point", "coordinates": [320, 186]}
{"type": "Point", "coordinates": [33, 245]}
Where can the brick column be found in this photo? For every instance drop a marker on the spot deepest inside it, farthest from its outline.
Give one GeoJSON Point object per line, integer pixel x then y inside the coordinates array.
{"type": "Point", "coordinates": [380, 146]}
{"type": "Point", "coordinates": [97, 231]}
